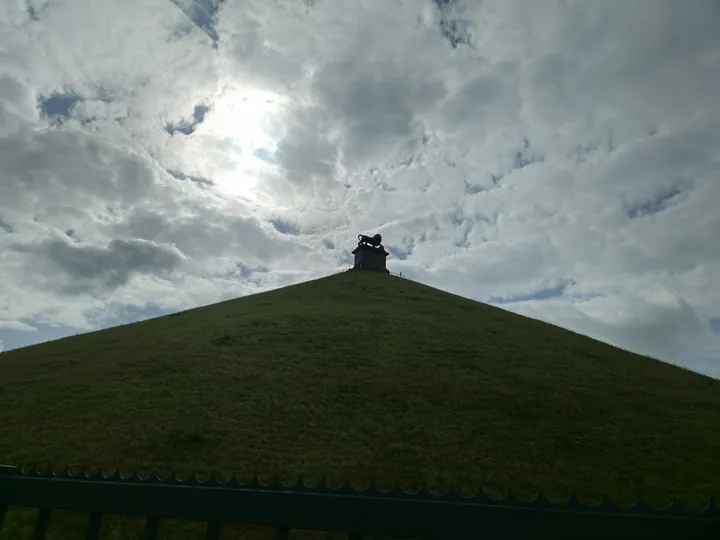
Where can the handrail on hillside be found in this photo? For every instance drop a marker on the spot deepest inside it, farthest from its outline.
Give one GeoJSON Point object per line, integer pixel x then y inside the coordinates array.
{"type": "Point", "coordinates": [372, 512]}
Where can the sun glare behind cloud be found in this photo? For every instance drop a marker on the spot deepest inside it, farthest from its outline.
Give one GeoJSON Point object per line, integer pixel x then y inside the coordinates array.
{"type": "Point", "coordinates": [248, 124]}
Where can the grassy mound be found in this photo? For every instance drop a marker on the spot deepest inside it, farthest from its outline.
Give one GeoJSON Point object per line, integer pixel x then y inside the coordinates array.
{"type": "Point", "coordinates": [365, 375]}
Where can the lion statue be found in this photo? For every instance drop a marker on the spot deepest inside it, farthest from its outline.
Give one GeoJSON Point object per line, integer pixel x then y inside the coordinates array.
{"type": "Point", "coordinates": [374, 241]}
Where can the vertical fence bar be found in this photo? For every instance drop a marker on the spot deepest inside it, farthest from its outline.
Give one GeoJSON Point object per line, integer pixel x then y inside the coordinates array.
{"type": "Point", "coordinates": [151, 528]}
{"type": "Point", "coordinates": [213, 531]}
{"type": "Point", "coordinates": [41, 524]}
{"type": "Point", "coordinates": [93, 530]}
{"type": "Point", "coordinates": [282, 533]}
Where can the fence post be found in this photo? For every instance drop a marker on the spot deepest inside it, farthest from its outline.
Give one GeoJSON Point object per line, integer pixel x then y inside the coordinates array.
{"type": "Point", "coordinates": [213, 531]}
{"type": "Point", "coordinates": [151, 528]}
{"type": "Point", "coordinates": [93, 530]}
{"type": "Point", "coordinates": [41, 524]}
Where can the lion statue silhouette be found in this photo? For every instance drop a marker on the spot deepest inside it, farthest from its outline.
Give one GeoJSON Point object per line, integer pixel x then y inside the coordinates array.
{"type": "Point", "coordinates": [374, 241]}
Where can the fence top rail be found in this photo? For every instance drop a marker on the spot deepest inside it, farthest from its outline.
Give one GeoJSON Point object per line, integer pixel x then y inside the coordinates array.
{"type": "Point", "coordinates": [480, 498]}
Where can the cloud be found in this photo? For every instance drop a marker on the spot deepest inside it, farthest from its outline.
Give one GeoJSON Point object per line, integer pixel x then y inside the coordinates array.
{"type": "Point", "coordinates": [203, 14]}
{"type": "Point", "coordinates": [456, 29]}
{"type": "Point", "coordinates": [557, 158]}
{"type": "Point", "coordinates": [108, 266]}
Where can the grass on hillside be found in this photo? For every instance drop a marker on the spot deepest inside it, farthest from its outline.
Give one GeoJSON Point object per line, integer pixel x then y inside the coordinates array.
{"type": "Point", "coordinates": [365, 375]}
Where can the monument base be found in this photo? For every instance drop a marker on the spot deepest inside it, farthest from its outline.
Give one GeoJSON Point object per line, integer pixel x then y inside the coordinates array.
{"type": "Point", "coordinates": [370, 258]}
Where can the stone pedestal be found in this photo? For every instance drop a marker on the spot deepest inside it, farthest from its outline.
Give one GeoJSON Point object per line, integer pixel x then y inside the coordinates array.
{"type": "Point", "coordinates": [370, 258]}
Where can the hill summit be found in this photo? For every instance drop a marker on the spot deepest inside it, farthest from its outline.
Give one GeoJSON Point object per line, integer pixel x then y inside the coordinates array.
{"type": "Point", "coordinates": [364, 375]}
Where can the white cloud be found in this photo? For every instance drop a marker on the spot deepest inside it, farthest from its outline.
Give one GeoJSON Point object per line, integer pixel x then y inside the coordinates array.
{"type": "Point", "coordinates": [172, 154]}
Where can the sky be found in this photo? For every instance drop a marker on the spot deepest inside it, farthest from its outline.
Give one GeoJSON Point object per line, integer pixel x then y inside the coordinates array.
{"type": "Point", "coordinates": [557, 158]}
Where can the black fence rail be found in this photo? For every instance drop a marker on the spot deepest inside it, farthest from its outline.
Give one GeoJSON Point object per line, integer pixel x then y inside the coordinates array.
{"type": "Point", "coordinates": [368, 512]}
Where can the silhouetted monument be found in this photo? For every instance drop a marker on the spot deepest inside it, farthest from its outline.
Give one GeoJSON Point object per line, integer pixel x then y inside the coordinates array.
{"type": "Point", "coordinates": [370, 254]}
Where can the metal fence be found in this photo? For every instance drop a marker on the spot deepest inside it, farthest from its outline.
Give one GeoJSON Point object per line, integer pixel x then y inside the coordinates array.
{"type": "Point", "coordinates": [368, 512]}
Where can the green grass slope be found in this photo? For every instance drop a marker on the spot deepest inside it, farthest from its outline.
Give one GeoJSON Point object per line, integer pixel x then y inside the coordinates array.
{"type": "Point", "coordinates": [365, 375]}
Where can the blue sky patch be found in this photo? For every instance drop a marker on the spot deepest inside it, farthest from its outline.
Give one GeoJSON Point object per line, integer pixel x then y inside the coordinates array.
{"type": "Point", "coordinates": [58, 106]}
{"type": "Point", "coordinates": [461, 224]}
{"type": "Point", "coordinates": [285, 227]}
{"type": "Point", "coordinates": [245, 271]}
{"type": "Point", "coordinates": [715, 325]}
{"type": "Point", "coordinates": [544, 294]}
{"type": "Point", "coordinates": [264, 154]}
{"type": "Point", "coordinates": [6, 227]}
{"type": "Point", "coordinates": [203, 14]}
{"type": "Point", "coordinates": [472, 189]}
{"type": "Point", "coordinates": [188, 177]}
{"type": "Point", "coordinates": [657, 204]}
{"type": "Point", "coordinates": [14, 339]}
{"type": "Point", "coordinates": [346, 258]}
{"type": "Point", "coordinates": [185, 127]}
{"type": "Point", "coordinates": [397, 253]}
